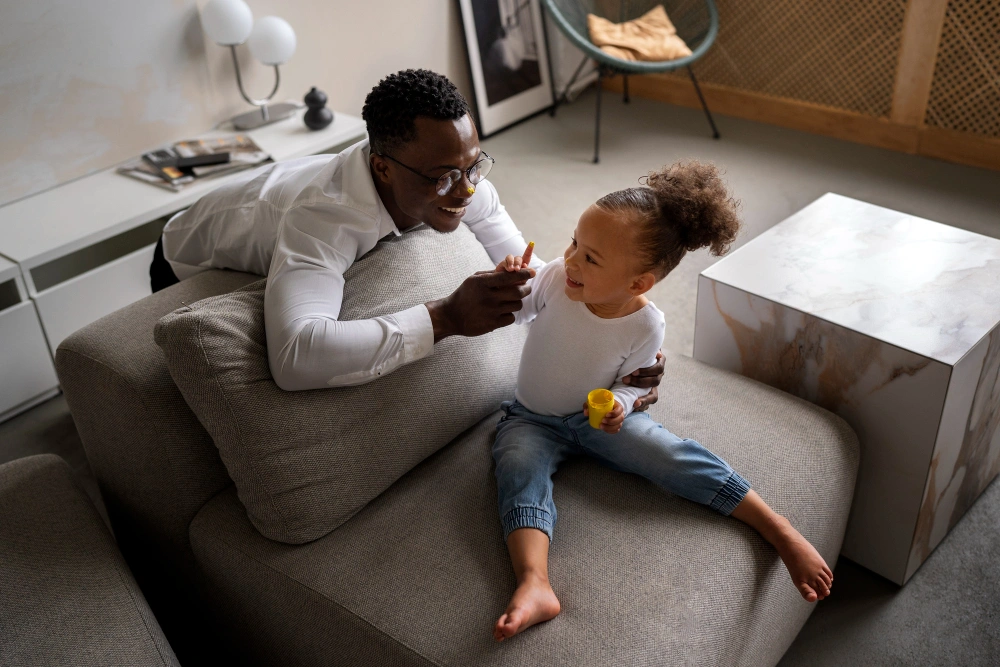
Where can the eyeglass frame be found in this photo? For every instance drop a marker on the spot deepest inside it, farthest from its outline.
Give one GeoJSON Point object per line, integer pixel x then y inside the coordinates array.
{"type": "Point", "coordinates": [486, 156]}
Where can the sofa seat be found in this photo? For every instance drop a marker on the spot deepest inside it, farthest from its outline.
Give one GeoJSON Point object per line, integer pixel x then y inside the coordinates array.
{"type": "Point", "coordinates": [420, 575]}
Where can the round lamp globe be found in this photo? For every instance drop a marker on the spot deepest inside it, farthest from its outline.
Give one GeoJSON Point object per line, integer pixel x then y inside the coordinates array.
{"type": "Point", "coordinates": [227, 22]}
{"type": "Point", "coordinates": [272, 41]}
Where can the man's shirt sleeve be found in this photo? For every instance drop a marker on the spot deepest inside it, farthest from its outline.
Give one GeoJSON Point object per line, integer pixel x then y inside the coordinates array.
{"type": "Point", "coordinates": [308, 347]}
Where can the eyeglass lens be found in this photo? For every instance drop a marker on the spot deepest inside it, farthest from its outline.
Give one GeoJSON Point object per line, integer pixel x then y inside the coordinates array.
{"type": "Point", "coordinates": [477, 173]}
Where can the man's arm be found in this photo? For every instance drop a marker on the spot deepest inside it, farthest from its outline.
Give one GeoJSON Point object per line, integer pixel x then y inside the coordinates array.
{"type": "Point", "coordinates": [309, 348]}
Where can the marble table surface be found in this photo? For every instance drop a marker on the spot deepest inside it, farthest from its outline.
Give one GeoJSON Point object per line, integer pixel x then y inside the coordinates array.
{"type": "Point", "coordinates": [920, 285]}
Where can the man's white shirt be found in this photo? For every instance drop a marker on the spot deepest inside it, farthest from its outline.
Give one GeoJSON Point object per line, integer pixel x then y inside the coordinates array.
{"type": "Point", "coordinates": [302, 223]}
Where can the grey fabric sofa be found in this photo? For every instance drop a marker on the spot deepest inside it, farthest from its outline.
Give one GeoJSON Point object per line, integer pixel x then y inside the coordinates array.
{"type": "Point", "coordinates": [420, 574]}
{"type": "Point", "coordinates": [66, 595]}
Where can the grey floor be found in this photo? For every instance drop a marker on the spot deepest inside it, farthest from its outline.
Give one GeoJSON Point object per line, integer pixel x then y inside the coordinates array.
{"type": "Point", "coordinates": [949, 613]}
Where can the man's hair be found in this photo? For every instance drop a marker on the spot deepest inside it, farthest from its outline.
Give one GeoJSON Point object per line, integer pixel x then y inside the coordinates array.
{"type": "Point", "coordinates": [398, 99]}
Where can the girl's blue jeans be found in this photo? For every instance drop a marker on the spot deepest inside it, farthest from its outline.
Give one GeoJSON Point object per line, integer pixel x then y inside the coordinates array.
{"type": "Point", "coordinates": [529, 448]}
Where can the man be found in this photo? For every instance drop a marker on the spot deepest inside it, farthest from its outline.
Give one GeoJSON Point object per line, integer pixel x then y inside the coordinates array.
{"type": "Point", "coordinates": [304, 222]}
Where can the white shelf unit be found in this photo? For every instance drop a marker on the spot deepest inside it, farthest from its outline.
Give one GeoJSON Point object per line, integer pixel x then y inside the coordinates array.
{"type": "Point", "coordinates": [27, 376]}
{"type": "Point", "coordinates": [83, 248]}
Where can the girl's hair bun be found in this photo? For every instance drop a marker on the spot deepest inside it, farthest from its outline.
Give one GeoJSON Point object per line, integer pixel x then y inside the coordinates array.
{"type": "Point", "coordinates": [683, 207]}
{"type": "Point", "coordinates": [693, 199]}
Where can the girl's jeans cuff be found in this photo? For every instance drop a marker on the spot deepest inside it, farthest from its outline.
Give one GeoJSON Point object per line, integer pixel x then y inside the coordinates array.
{"type": "Point", "coordinates": [527, 517]}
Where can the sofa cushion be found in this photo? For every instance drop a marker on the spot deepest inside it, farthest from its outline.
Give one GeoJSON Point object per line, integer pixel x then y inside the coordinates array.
{"type": "Point", "coordinates": [420, 575]}
{"type": "Point", "coordinates": [66, 595]}
{"type": "Point", "coordinates": [304, 462]}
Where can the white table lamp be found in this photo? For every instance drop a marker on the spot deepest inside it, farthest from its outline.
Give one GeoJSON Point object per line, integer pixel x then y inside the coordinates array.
{"type": "Point", "coordinates": [271, 41]}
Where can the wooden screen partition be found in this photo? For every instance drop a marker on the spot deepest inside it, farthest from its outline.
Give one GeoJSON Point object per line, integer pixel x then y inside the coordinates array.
{"type": "Point", "coordinates": [918, 76]}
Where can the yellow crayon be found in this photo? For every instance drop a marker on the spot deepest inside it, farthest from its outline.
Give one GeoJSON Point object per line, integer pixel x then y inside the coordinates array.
{"type": "Point", "coordinates": [526, 258]}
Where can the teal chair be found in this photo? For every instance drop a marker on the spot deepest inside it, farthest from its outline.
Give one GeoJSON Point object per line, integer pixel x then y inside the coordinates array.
{"type": "Point", "coordinates": [697, 23]}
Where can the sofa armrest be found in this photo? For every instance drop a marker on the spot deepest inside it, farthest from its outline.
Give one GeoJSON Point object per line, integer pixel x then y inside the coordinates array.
{"type": "Point", "coordinates": [155, 464]}
{"type": "Point", "coordinates": [60, 562]}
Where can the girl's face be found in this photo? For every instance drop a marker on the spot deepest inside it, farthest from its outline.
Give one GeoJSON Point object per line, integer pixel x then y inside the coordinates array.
{"type": "Point", "coordinates": [601, 265]}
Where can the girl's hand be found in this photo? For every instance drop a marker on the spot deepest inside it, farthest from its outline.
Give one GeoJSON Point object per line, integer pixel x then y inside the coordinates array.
{"type": "Point", "coordinates": [612, 422]}
{"type": "Point", "coordinates": [512, 263]}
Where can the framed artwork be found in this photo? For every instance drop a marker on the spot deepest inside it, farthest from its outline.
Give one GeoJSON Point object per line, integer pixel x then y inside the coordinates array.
{"type": "Point", "coordinates": [507, 59]}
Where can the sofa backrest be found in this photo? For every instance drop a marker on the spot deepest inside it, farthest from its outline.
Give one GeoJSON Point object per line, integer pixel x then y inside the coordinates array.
{"type": "Point", "coordinates": [304, 462]}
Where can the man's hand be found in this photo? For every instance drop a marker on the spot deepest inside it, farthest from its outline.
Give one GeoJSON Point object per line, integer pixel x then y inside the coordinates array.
{"type": "Point", "coordinates": [647, 377]}
{"type": "Point", "coordinates": [485, 301]}
{"type": "Point", "coordinates": [612, 422]}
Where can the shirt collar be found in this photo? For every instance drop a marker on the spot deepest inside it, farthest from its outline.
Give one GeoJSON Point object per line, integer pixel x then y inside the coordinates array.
{"type": "Point", "coordinates": [359, 191]}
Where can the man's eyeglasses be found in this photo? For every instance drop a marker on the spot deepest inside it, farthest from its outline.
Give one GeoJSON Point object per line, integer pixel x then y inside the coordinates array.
{"type": "Point", "coordinates": [447, 181]}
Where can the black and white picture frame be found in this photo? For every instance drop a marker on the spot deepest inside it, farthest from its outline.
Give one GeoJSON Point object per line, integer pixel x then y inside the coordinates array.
{"type": "Point", "coordinates": [507, 59]}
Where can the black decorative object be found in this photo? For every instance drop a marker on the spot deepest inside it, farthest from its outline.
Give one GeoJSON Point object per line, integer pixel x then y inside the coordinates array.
{"type": "Point", "coordinates": [318, 116]}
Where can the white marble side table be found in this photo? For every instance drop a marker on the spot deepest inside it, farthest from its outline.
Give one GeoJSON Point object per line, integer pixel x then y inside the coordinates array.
{"type": "Point", "coordinates": [891, 322]}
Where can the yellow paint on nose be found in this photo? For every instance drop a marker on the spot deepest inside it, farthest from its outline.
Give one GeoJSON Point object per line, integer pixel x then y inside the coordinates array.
{"type": "Point", "coordinates": [470, 190]}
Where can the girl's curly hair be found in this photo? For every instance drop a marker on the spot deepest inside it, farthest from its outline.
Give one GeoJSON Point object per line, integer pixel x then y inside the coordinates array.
{"type": "Point", "coordinates": [682, 207]}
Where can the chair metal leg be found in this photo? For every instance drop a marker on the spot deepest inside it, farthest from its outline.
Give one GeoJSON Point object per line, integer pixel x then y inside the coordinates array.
{"type": "Point", "coordinates": [697, 89]}
{"type": "Point", "coordinates": [565, 94]}
{"type": "Point", "coordinates": [597, 119]}
{"type": "Point", "coordinates": [625, 97]}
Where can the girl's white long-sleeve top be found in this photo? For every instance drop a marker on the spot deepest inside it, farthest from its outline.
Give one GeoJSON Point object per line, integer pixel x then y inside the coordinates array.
{"type": "Point", "coordinates": [302, 223]}
{"type": "Point", "coordinates": [570, 351]}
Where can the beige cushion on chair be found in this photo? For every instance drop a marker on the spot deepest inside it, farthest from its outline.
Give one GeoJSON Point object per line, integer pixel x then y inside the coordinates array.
{"type": "Point", "coordinates": [650, 37]}
{"type": "Point", "coordinates": [305, 462]}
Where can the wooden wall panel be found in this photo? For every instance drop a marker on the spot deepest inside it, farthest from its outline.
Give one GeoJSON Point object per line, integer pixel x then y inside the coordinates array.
{"type": "Point", "coordinates": [917, 53]}
{"type": "Point", "coordinates": [840, 55]}
{"type": "Point", "coordinates": [917, 76]}
{"type": "Point", "coordinates": [965, 93]}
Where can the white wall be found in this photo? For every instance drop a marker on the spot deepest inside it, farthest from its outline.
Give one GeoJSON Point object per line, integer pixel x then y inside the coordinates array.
{"type": "Point", "coordinates": [345, 47]}
{"type": "Point", "coordinates": [85, 85]}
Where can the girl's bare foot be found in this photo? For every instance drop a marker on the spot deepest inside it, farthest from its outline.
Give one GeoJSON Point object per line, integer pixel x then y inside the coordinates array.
{"type": "Point", "coordinates": [809, 571]}
{"type": "Point", "coordinates": [533, 602]}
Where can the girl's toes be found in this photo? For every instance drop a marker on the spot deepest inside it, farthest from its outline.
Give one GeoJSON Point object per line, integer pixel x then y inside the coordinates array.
{"type": "Point", "coordinates": [807, 592]}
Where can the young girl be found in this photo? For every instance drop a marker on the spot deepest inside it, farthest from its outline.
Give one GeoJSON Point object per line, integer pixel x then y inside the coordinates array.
{"type": "Point", "coordinates": [592, 327]}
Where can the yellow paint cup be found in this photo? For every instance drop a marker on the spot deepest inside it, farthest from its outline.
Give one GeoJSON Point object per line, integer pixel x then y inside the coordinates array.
{"type": "Point", "coordinates": [599, 403]}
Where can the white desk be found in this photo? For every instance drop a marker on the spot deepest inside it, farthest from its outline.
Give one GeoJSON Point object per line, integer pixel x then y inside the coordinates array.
{"type": "Point", "coordinates": [84, 248]}
{"type": "Point", "coordinates": [893, 323]}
